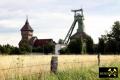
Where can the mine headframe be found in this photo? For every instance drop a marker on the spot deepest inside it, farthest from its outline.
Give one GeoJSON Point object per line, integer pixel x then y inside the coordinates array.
{"type": "Point", "coordinates": [78, 12]}
{"type": "Point", "coordinates": [78, 17]}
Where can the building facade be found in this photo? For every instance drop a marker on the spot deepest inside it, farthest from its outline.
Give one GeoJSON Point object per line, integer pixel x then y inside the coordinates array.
{"type": "Point", "coordinates": [32, 41]}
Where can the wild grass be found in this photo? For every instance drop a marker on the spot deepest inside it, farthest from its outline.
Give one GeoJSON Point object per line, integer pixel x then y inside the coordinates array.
{"type": "Point", "coordinates": [70, 67]}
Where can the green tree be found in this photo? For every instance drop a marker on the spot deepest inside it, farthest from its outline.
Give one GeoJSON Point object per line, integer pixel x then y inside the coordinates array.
{"type": "Point", "coordinates": [75, 46]}
{"type": "Point", "coordinates": [49, 48]}
{"type": "Point", "coordinates": [8, 49]}
{"type": "Point", "coordinates": [115, 33]}
{"type": "Point", "coordinates": [101, 45]}
{"type": "Point", "coordinates": [112, 39]}
{"type": "Point", "coordinates": [63, 50]}
{"type": "Point", "coordinates": [15, 50]}
{"type": "Point", "coordinates": [37, 49]}
{"type": "Point", "coordinates": [60, 41]}
{"type": "Point", "coordinates": [89, 45]}
{"type": "Point", "coordinates": [25, 47]}
{"type": "Point", "coordinates": [110, 46]}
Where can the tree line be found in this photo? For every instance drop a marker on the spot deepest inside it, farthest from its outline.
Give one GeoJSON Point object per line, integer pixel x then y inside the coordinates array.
{"type": "Point", "coordinates": [26, 49]}
{"type": "Point", "coordinates": [8, 49]}
{"type": "Point", "coordinates": [109, 43]}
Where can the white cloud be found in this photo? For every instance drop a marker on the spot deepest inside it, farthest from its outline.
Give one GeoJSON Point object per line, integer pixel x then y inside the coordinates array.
{"type": "Point", "coordinates": [98, 25]}
{"type": "Point", "coordinates": [52, 18]}
{"type": "Point", "coordinates": [12, 39]}
{"type": "Point", "coordinates": [9, 23]}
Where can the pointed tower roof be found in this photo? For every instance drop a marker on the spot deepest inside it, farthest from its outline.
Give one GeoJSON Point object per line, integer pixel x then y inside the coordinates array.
{"type": "Point", "coordinates": [26, 27]}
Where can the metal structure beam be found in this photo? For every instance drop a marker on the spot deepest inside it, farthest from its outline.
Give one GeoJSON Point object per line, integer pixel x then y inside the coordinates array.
{"type": "Point", "coordinates": [69, 32]}
{"type": "Point", "coordinates": [77, 18]}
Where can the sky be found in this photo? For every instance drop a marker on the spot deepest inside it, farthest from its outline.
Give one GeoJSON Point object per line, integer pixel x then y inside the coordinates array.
{"type": "Point", "coordinates": [53, 18]}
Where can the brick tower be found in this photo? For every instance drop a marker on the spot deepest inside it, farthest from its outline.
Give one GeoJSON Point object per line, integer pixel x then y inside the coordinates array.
{"type": "Point", "coordinates": [26, 33]}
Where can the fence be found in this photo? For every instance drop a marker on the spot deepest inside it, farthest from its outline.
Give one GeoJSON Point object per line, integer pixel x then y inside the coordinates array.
{"type": "Point", "coordinates": [53, 66]}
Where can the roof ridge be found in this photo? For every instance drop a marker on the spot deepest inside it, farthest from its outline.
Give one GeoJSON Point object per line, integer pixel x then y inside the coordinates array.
{"type": "Point", "coordinates": [26, 26]}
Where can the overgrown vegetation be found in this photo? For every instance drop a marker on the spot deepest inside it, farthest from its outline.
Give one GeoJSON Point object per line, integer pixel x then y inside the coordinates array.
{"type": "Point", "coordinates": [110, 43]}
{"type": "Point", "coordinates": [75, 46]}
{"type": "Point", "coordinates": [49, 48]}
{"type": "Point", "coordinates": [8, 49]}
{"type": "Point", "coordinates": [82, 73]}
{"type": "Point", "coordinates": [26, 49]}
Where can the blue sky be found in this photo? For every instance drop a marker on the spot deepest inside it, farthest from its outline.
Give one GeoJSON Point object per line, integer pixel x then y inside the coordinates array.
{"type": "Point", "coordinates": [53, 18]}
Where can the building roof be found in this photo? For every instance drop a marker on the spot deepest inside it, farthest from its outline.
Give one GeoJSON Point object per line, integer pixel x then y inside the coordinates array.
{"type": "Point", "coordinates": [26, 27]}
{"type": "Point", "coordinates": [42, 42]}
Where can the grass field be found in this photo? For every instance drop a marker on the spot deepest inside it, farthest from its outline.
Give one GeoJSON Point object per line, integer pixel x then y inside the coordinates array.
{"type": "Point", "coordinates": [27, 65]}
